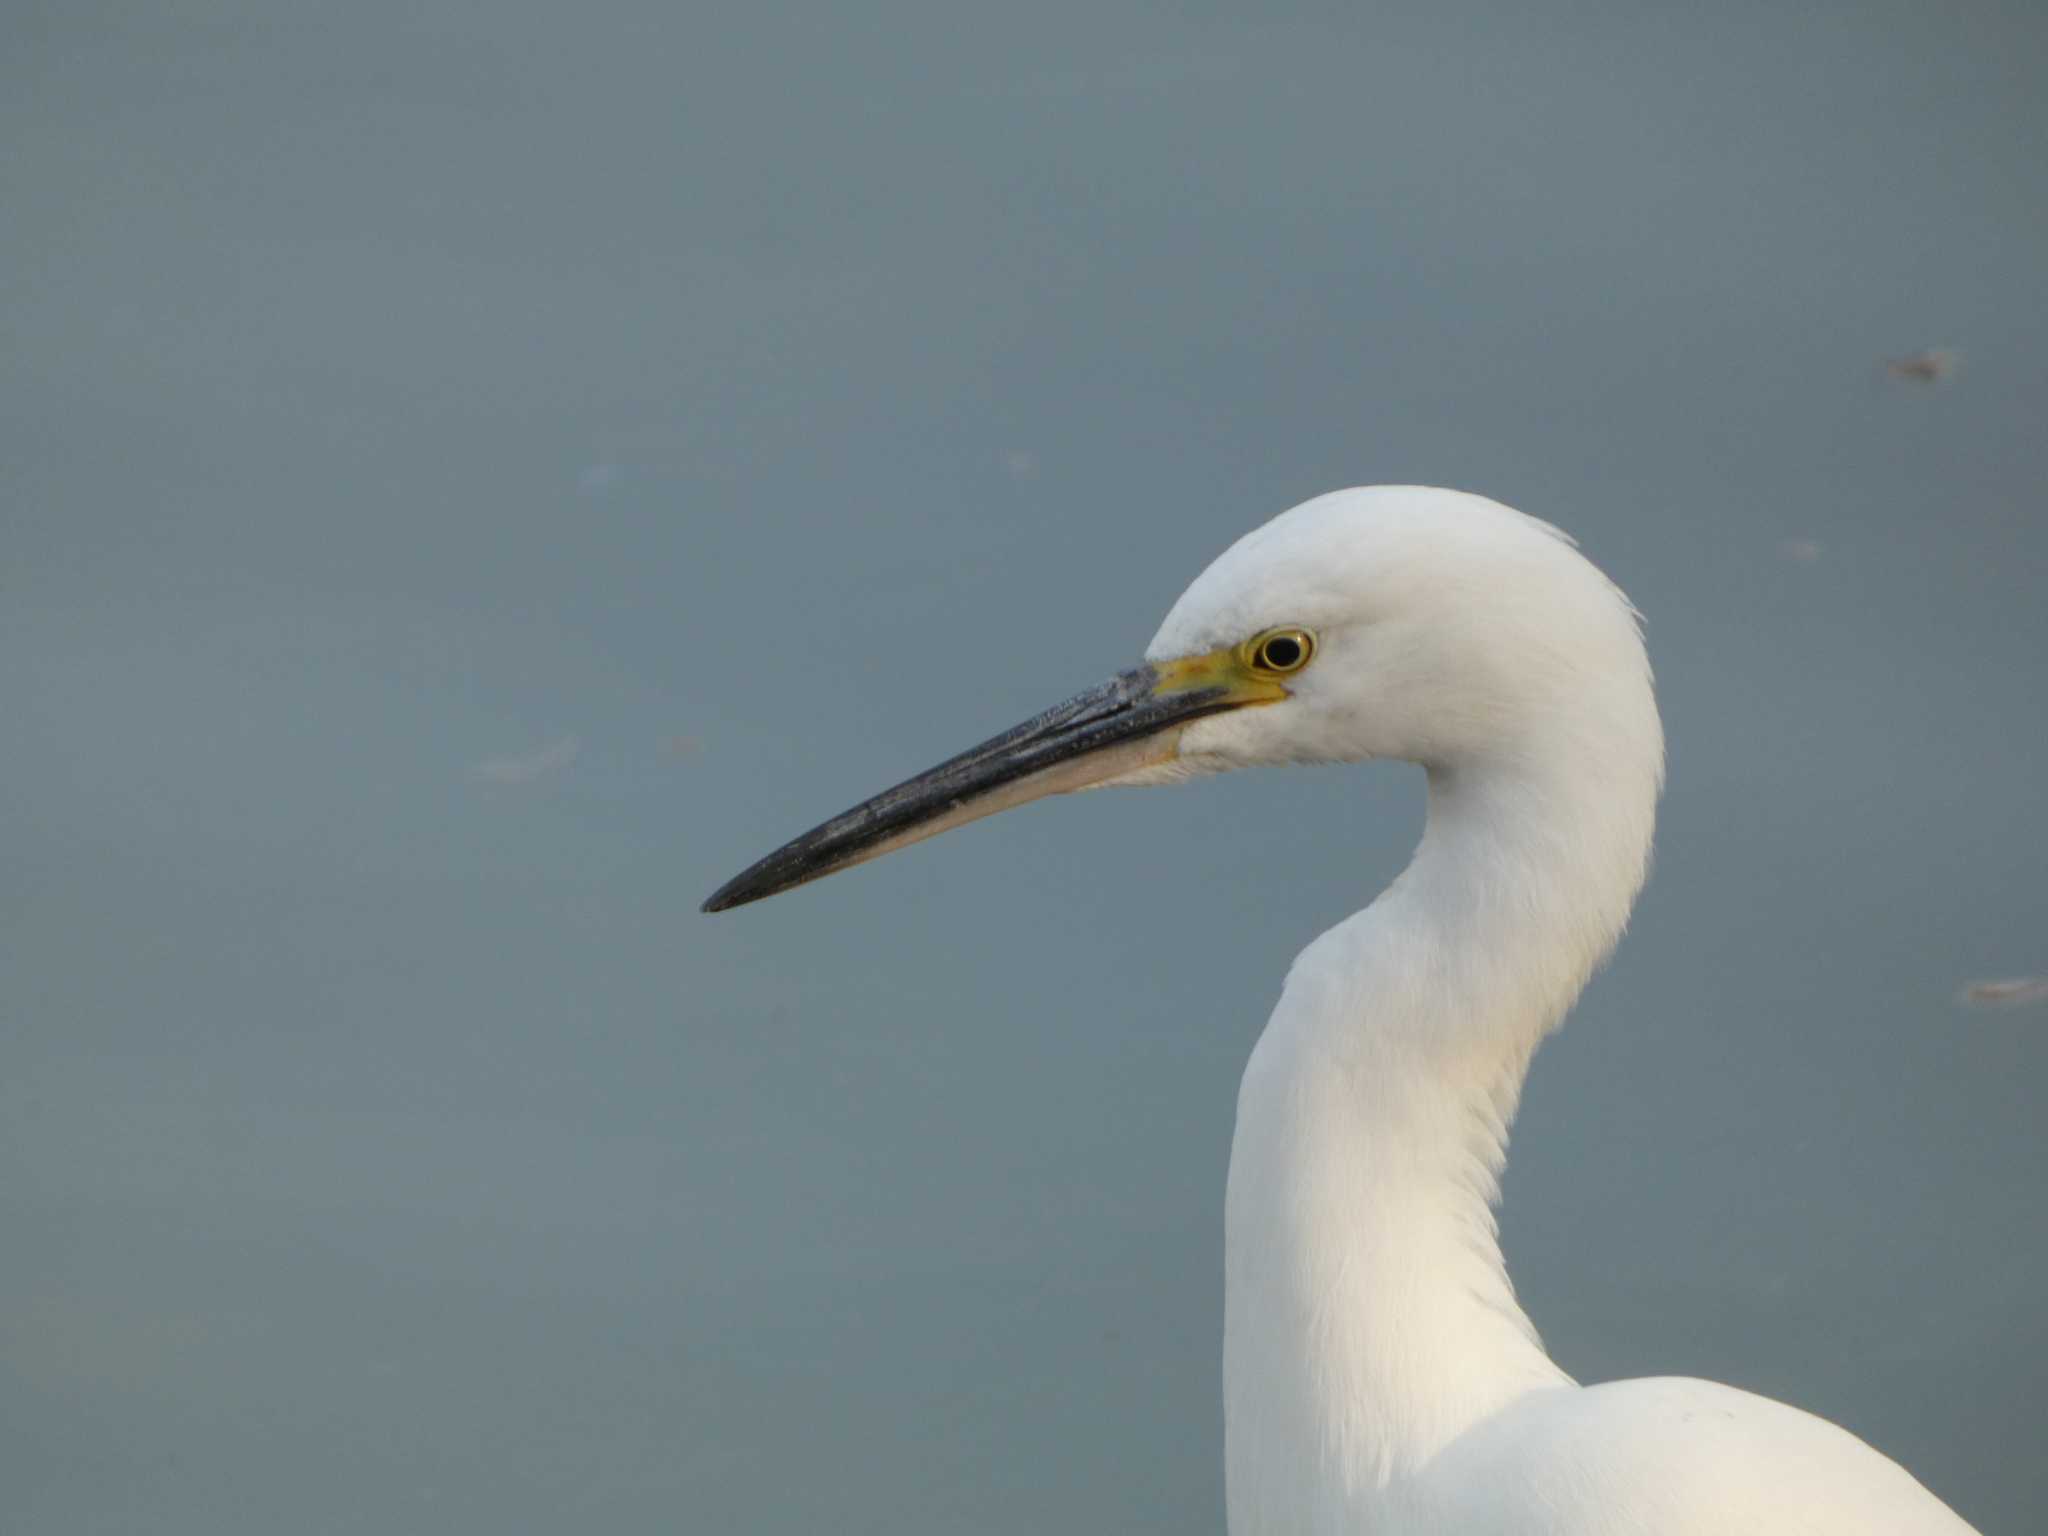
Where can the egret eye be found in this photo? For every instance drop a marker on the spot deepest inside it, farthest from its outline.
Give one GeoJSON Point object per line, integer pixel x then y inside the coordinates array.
{"type": "Point", "coordinates": [1280, 651]}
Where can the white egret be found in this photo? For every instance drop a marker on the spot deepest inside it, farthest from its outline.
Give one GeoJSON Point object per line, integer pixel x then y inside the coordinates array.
{"type": "Point", "coordinates": [1378, 1373]}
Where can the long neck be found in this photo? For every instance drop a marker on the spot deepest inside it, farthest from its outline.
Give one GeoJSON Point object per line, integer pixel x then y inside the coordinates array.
{"type": "Point", "coordinates": [1369, 1315]}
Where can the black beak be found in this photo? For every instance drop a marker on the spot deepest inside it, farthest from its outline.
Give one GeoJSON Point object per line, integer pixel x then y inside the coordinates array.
{"type": "Point", "coordinates": [1130, 722]}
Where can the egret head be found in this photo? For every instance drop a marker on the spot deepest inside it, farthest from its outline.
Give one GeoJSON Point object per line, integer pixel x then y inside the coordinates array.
{"type": "Point", "coordinates": [1393, 621]}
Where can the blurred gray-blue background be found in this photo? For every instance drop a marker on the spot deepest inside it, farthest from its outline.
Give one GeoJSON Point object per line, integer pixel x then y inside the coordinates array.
{"type": "Point", "coordinates": [473, 475]}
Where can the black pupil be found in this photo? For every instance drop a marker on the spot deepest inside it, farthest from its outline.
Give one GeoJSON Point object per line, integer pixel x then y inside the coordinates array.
{"type": "Point", "coordinates": [1283, 652]}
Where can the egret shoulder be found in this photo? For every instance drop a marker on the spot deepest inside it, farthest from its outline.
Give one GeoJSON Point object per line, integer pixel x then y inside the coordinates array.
{"type": "Point", "coordinates": [1672, 1456]}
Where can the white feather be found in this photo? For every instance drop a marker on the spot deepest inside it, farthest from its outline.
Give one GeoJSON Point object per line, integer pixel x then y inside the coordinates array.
{"type": "Point", "coordinates": [1379, 1375]}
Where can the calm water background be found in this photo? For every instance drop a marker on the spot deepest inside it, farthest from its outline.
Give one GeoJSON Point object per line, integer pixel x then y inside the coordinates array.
{"type": "Point", "coordinates": [474, 475]}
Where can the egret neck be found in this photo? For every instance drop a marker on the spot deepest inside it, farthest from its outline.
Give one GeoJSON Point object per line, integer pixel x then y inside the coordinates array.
{"type": "Point", "coordinates": [1369, 1318]}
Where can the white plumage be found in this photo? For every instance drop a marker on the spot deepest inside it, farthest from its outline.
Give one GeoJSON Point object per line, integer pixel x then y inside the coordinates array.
{"type": "Point", "coordinates": [1379, 1377]}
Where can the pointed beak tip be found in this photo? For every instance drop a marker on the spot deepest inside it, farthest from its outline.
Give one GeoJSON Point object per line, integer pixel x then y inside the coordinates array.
{"type": "Point", "coordinates": [744, 889]}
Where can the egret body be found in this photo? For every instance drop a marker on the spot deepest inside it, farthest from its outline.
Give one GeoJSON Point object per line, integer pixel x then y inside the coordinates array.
{"type": "Point", "coordinates": [1379, 1376]}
